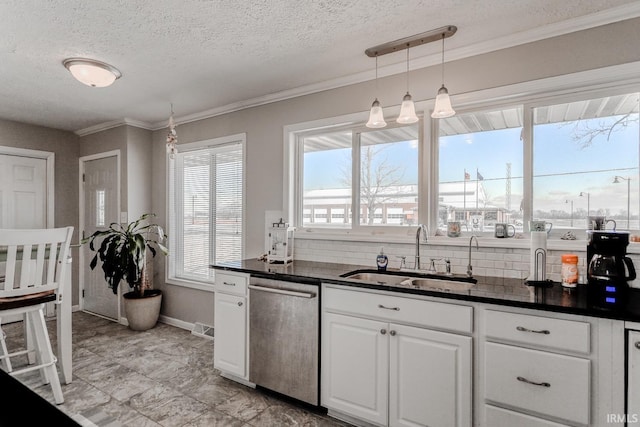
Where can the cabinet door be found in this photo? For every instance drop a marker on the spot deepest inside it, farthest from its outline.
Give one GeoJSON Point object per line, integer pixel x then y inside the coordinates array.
{"type": "Point", "coordinates": [633, 379]}
{"type": "Point", "coordinates": [355, 362]}
{"type": "Point", "coordinates": [430, 378]}
{"type": "Point", "coordinates": [230, 346]}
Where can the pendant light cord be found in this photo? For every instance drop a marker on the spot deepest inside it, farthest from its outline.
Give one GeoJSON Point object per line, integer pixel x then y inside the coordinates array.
{"type": "Point", "coordinates": [442, 59]}
{"type": "Point", "coordinates": [376, 73]}
{"type": "Point", "coordinates": [407, 68]}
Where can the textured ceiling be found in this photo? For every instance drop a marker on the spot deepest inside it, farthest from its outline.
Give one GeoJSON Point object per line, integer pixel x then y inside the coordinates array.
{"type": "Point", "coordinates": [208, 56]}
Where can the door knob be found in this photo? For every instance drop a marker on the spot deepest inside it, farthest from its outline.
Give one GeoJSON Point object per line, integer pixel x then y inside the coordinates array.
{"type": "Point", "coordinates": [239, 303]}
{"type": "Point", "coordinates": [392, 333]}
{"type": "Point", "coordinates": [383, 331]}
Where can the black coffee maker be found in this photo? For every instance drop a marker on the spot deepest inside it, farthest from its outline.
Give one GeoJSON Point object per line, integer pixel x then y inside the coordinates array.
{"type": "Point", "coordinates": [609, 269]}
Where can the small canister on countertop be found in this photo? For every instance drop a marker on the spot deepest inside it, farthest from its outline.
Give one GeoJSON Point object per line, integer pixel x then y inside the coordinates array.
{"type": "Point", "coordinates": [569, 270]}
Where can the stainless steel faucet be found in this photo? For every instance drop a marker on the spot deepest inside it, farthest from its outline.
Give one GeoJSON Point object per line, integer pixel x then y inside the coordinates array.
{"type": "Point", "coordinates": [422, 229]}
{"type": "Point", "coordinates": [469, 268]}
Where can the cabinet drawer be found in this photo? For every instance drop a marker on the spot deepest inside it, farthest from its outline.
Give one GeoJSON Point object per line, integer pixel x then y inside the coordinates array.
{"type": "Point", "coordinates": [430, 314]}
{"type": "Point", "coordinates": [540, 382]}
{"type": "Point", "coordinates": [568, 335]}
{"type": "Point", "coordinates": [231, 283]}
{"type": "Point", "coordinates": [498, 417]}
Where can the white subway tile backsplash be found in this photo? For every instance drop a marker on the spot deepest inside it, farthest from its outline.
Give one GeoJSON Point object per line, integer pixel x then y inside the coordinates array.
{"type": "Point", "coordinates": [486, 261]}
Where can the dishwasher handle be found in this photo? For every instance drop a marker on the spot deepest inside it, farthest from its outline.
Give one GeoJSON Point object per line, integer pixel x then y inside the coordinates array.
{"type": "Point", "coordinates": [283, 291]}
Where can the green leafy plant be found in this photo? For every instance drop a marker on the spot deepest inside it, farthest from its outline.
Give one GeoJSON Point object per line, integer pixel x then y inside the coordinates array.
{"type": "Point", "coordinates": [123, 251]}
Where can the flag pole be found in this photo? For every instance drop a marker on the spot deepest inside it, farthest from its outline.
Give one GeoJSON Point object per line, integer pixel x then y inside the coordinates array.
{"type": "Point", "coordinates": [464, 196]}
{"type": "Point", "coordinates": [477, 186]}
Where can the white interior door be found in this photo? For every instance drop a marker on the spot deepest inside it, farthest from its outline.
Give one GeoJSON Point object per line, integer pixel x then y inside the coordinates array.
{"type": "Point", "coordinates": [99, 209]}
{"type": "Point", "coordinates": [23, 192]}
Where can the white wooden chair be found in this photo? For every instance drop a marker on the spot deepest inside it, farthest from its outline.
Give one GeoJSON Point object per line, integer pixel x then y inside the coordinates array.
{"type": "Point", "coordinates": [36, 263]}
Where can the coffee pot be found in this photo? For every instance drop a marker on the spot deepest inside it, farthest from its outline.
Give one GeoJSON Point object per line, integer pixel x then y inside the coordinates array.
{"type": "Point", "coordinates": [609, 269]}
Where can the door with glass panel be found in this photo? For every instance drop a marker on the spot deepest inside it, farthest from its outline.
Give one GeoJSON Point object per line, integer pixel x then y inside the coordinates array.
{"type": "Point", "coordinates": [99, 209]}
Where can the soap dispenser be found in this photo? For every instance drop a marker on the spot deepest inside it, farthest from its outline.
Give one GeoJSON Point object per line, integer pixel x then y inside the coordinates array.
{"type": "Point", "coordinates": [382, 260]}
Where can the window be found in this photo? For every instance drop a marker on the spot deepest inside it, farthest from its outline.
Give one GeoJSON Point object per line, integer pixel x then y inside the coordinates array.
{"type": "Point", "coordinates": [389, 176]}
{"type": "Point", "coordinates": [481, 169]}
{"type": "Point", "coordinates": [326, 178]}
{"type": "Point", "coordinates": [547, 150]}
{"type": "Point", "coordinates": [579, 148]}
{"type": "Point", "coordinates": [206, 195]}
{"type": "Point", "coordinates": [386, 164]}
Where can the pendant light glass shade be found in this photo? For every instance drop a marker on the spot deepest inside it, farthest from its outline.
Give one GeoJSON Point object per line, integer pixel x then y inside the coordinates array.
{"type": "Point", "coordinates": [408, 109]}
{"type": "Point", "coordinates": [91, 72]}
{"type": "Point", "coordinates": [376, 117]}
{"type": "Point", "coordinates": [443, 108]}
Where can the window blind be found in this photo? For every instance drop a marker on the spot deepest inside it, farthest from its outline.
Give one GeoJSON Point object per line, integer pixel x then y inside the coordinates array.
{"type": "Point", "coordinates": [206, 203]}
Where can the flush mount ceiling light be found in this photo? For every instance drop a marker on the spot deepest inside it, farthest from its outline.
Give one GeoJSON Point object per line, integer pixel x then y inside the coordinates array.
{"type": "Point", "coordinates": [376, 117]}
{"type": "Point", "coordinates": [91, 72]}
{"type": "Point", "coordinates": [407, 110]}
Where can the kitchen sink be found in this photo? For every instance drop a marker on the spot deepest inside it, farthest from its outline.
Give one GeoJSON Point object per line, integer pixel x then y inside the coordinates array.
{"type": "Point", "coordinates": [432, 282]}
{"type": "Point", "coordinates": [379, 278]}
{"type": "Point", "coordinates": [442, 285]}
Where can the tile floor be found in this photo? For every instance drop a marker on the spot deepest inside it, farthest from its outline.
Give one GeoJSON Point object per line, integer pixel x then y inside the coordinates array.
{"type": "Point", "coordinates": [161, 377]}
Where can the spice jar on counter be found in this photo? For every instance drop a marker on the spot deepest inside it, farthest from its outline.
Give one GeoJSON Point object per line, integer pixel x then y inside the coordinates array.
{"type": "Point", "coordinates": [569, 270]}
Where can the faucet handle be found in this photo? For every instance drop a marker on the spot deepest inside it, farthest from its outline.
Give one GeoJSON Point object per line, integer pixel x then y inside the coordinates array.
{"type": "Point", "coordinates": [403, 261]}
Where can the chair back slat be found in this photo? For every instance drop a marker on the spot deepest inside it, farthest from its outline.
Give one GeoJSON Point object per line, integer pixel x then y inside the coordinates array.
{"type": "Point", "coordinates": [36, 260]}
{"type": "Point", "coordinates": [10, 273]}
{"type": "Point", "coordinates": [26, 267]}
{"type": "Point", "coordinates": [40, 259]}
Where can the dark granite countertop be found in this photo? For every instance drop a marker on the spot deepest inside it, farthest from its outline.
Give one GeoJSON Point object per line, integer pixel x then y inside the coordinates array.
{"type": "Point", "coordinates": [492, 290]}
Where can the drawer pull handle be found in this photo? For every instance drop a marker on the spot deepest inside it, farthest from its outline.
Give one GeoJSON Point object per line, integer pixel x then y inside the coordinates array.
{"type": "Point", "coordinates": [637, 344]}
{"type": "Point", "coordinates": [524, 380]}
{"type": "Point", "coordinates": [239, 303]}
{"type": "Point", "coordinates": [383, 331]}
{"type": "Point", "coordinates": [392, 333]}
{"type": "Point", "coordinates": [228, 283]}
{"type": "Point", "coordinates": [389, 308]}
{"type": "Point", "coordinates": [542, 331]}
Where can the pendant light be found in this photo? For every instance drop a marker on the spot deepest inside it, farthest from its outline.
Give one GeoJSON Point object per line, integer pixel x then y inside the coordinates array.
{"type": "Point", "coordinates": [408, 109]}
{"type": "Point", "coordinates": [172, 137]}
{"type": "Point", "coordinates": [376, 117]}
{"type": "Point", "coordinates": [443, 108]}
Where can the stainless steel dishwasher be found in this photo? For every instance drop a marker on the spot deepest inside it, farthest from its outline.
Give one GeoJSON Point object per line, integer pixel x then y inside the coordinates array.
{"type": "Point", "coordinates": [284, 335]}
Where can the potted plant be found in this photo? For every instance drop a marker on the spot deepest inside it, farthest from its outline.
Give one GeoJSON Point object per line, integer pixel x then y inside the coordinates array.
{"type": "Point", "coordinates": [123, 254]}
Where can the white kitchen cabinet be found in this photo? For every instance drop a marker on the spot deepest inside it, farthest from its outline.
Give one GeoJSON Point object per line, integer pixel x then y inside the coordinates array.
{"type": "Point", "coordinates": [537, 366]}
{"type": "Point", "coordinates": [633, 379]}
{"type": "Point", "coordinates": [388, 373]}
{"type": "Point", "coordinates": [355, 366]}
{"type": "Point", "coordinates": [230, 350]}
{"type": "Point", "coordinates": [430, 378]}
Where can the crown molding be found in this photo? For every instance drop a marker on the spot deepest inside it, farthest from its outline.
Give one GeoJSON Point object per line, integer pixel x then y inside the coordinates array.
{"type": "Point", "coordinates": [616, 14]}
{"type": "Point", "coordinates": [113, 124]}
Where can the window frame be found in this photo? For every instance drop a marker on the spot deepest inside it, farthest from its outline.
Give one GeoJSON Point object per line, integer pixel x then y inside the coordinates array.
{"type": "Point", "coordinates": [566, 88]}
{"type": "Point", "coordinates": [355, 227]}
{"type": "Point", "coordinates": [241, 140]}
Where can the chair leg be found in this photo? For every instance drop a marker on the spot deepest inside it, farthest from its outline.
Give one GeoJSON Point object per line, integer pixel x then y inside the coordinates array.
{"type": "Point", "coordinates": [6, 361]}
{"type": "Point", "coordinates": [28, 340]}
{"type": "Point", "coordinates": [43, 343]}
